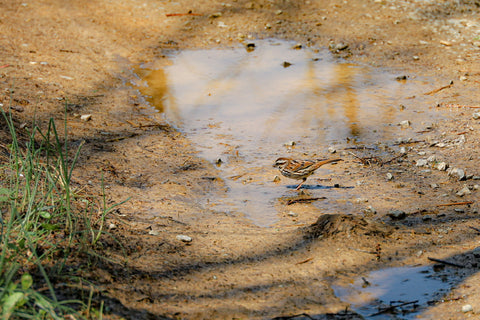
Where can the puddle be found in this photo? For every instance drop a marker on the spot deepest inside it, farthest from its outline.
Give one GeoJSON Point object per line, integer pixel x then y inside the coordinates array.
{"type": "Point", "coordinates": [245, 107]}
{"type": "Point", "coordinates": [412, 289]}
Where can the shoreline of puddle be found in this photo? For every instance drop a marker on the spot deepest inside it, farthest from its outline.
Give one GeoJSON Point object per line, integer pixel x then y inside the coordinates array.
{"type": "Point", "coordinates": [242, 109]}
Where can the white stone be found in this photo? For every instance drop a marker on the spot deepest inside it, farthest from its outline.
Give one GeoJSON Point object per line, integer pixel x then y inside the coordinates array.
{"type": "Point", "coordinates": [404, 123]}
{"type": "Point", "coordinates": [442, 166]}
{"type": "Point", "coordinates": [421, 163]}
{"type": "Point", "coordinates": [184, 238]}
{"type": "Point", "coordinates": [86, 117]}
{"type": "Point", "coordinates": [467, 308]}
{"type": "Point", "coordinates": [464, 191]}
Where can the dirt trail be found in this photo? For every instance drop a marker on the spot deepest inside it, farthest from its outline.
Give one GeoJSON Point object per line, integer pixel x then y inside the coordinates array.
{"type": "Point", "coordinates": [81, 54]}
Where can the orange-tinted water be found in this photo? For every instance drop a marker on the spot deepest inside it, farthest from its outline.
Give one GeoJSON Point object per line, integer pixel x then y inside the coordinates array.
{"type": "Point", "coordinates": [247, 107]}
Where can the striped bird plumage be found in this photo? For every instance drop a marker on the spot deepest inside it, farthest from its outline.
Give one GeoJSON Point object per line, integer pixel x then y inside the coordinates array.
{"type": "Point", "coordinates": [300, 169]}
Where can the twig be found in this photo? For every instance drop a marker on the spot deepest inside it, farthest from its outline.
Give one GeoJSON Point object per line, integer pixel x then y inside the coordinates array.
{"type": "Point", "coordinates": [446, 262]}
{"type": "Point", "coordinates": [292, 317]}
{"type": "Point", "coordinates": [364, 251]}
{"type": "Point", "coordinates": [439, 89]}
{"type": "Point", "coordinates": [391, 308]}
{"type": "Point", "coordinates": [365, 161]}
{"type": "Point", "coordinates": [304, 200]}
{"type": "Point", "coordinates": [305, 261]}
{"type": "Point", "coordinates": [476, 229]}
{"type": "Point", "coordinates": [454, 204]}
{"type": "Point", "coordinates": [360, 148]}
{"type": "Point", "coordinates": [394, 158]}
{"type": "Point", "coordinates": [461, 106]}
{"type": "Point", "coordinates": [4, 66]}
{"type": "Point", "coordinates": [183, 14]}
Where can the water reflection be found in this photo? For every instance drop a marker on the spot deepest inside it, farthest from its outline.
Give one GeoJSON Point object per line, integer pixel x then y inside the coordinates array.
{"type": "Point", "coordinates": [409, 288]}
{"type": "Point", "coordinates": [242, 107]}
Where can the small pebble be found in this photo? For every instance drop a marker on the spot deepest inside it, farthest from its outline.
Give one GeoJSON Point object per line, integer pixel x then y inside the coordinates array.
{"type": "Point", "coordinates": [332, 150]}
{"type": "Point", "coordinates": [86, 117]}
{"type": "Point", "coordinates": [298, 46]}
{"type": "Point", "coordinates": [457, 173]}
{"type": "Point", "coordinates": [292, 214]}
{"type": "Point", "coordinates": [464, 191]}
{"type": "Point", "coordinates": [389, 176]}
{"type": "Point", "coordinates": [397, 214]}
{"type": "Point", "coordinates": [421, 163]}
{"type": "Point", "coordinates": [442, 166]}
{"type": "Point", "coordinates": [184, 238]}
{"type": "Point", "coordinates": [370, 210]}
{"type": "Point", "coordinates": [467, 308]}
{"type": "Point", "coordinates": [476, 115]}
{"type": "Point", "coordinates": [405, 124]}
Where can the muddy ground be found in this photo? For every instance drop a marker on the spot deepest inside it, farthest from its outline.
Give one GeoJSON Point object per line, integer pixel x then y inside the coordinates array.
{"type": "Point", "coordinates": [81, 54]}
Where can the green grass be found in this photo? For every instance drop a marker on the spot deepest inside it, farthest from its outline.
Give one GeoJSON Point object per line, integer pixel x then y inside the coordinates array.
{"type": "Point", "coordinates": [43, 224]}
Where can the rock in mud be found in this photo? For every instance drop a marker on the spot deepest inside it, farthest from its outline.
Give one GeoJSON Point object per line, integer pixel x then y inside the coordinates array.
{"type": "Point", "coordinates": [86, 117]}
{"type": "Point", "coordinates": [405, 124]}
{"type": "Point", "coordinates": [442, 166]}
{"type": "Point", "coordinates": [421, 163]}
{"type": "Point", "coordinates": [184, 238]}
{"type": "Point", "coordinates": [397, 214]}
{"type": "Point", "coordinates": [464, 191]}
{"type": "Point", "coordinates": [457, 173]}
{"type": "Point", "coordinates": [467, 308]}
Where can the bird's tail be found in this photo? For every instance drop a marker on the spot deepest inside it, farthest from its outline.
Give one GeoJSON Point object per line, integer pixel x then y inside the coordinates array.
{"type": "Point", "coordinates": [321, 162]}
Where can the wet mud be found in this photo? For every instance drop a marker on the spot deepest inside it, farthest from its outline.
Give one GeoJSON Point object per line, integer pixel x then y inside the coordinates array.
{"type": "Point", "coordinates": [171, 88]}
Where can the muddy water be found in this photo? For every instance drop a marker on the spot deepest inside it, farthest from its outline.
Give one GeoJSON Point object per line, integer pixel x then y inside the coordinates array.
{"type": "Point", "coordinates": [412, 289]}
{"type": "Point", "coordinates": [242, 109]}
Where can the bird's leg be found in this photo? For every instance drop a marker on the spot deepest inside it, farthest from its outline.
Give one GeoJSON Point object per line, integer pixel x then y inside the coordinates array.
{"type": "Point", "coordinates": [298, 187]}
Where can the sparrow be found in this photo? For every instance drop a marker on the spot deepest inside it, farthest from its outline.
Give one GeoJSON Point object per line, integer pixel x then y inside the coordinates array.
{"type": "Point", "coordinates": [300, 169]}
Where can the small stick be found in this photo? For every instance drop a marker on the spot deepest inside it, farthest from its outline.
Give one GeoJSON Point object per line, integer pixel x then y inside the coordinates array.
{"type": "Point", "coordinates": [454, 204]}
{"type": "Point", "coordinates": [446, 262]}
{"type": "Point", "coordinates": [360, 148]}
{"type": "Point", "coordinates": [304, 200]}
{"type": "Point", "coordinates": [292, 317]}
{"type": "Point", "coordinates": [305, 261]}
{"type": "Point", "coordinates": [364, 251]}
{"type": "Point", "coordinates": [476, 229]}
{"type": "Point", "coordinates": [461, 106]}
{"type": "Point", "coordinates": [391, 308]}
{"type": "Point", "coordinates": [439, 89]}
{"type": "Point", "coordinates": [362, 160]}
{"type": "Point", "coordinates": [4, 66]}
{"type": "Point", "coordinates": [394, 158]}
{"type": "Point", "coordinates": [183, 14]}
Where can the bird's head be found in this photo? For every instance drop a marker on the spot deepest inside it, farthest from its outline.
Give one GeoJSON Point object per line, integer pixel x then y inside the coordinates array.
{"type": "Point", "coordinates": [280, 162]}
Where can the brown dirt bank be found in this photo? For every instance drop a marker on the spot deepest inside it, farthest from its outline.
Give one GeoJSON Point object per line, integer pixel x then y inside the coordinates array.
{"type": "Point", "coordinates": [81, 54]}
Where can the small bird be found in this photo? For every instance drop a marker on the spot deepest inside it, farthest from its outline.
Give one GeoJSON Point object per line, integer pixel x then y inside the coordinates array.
{"type": "Point", "coordinates": [300, 169]}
